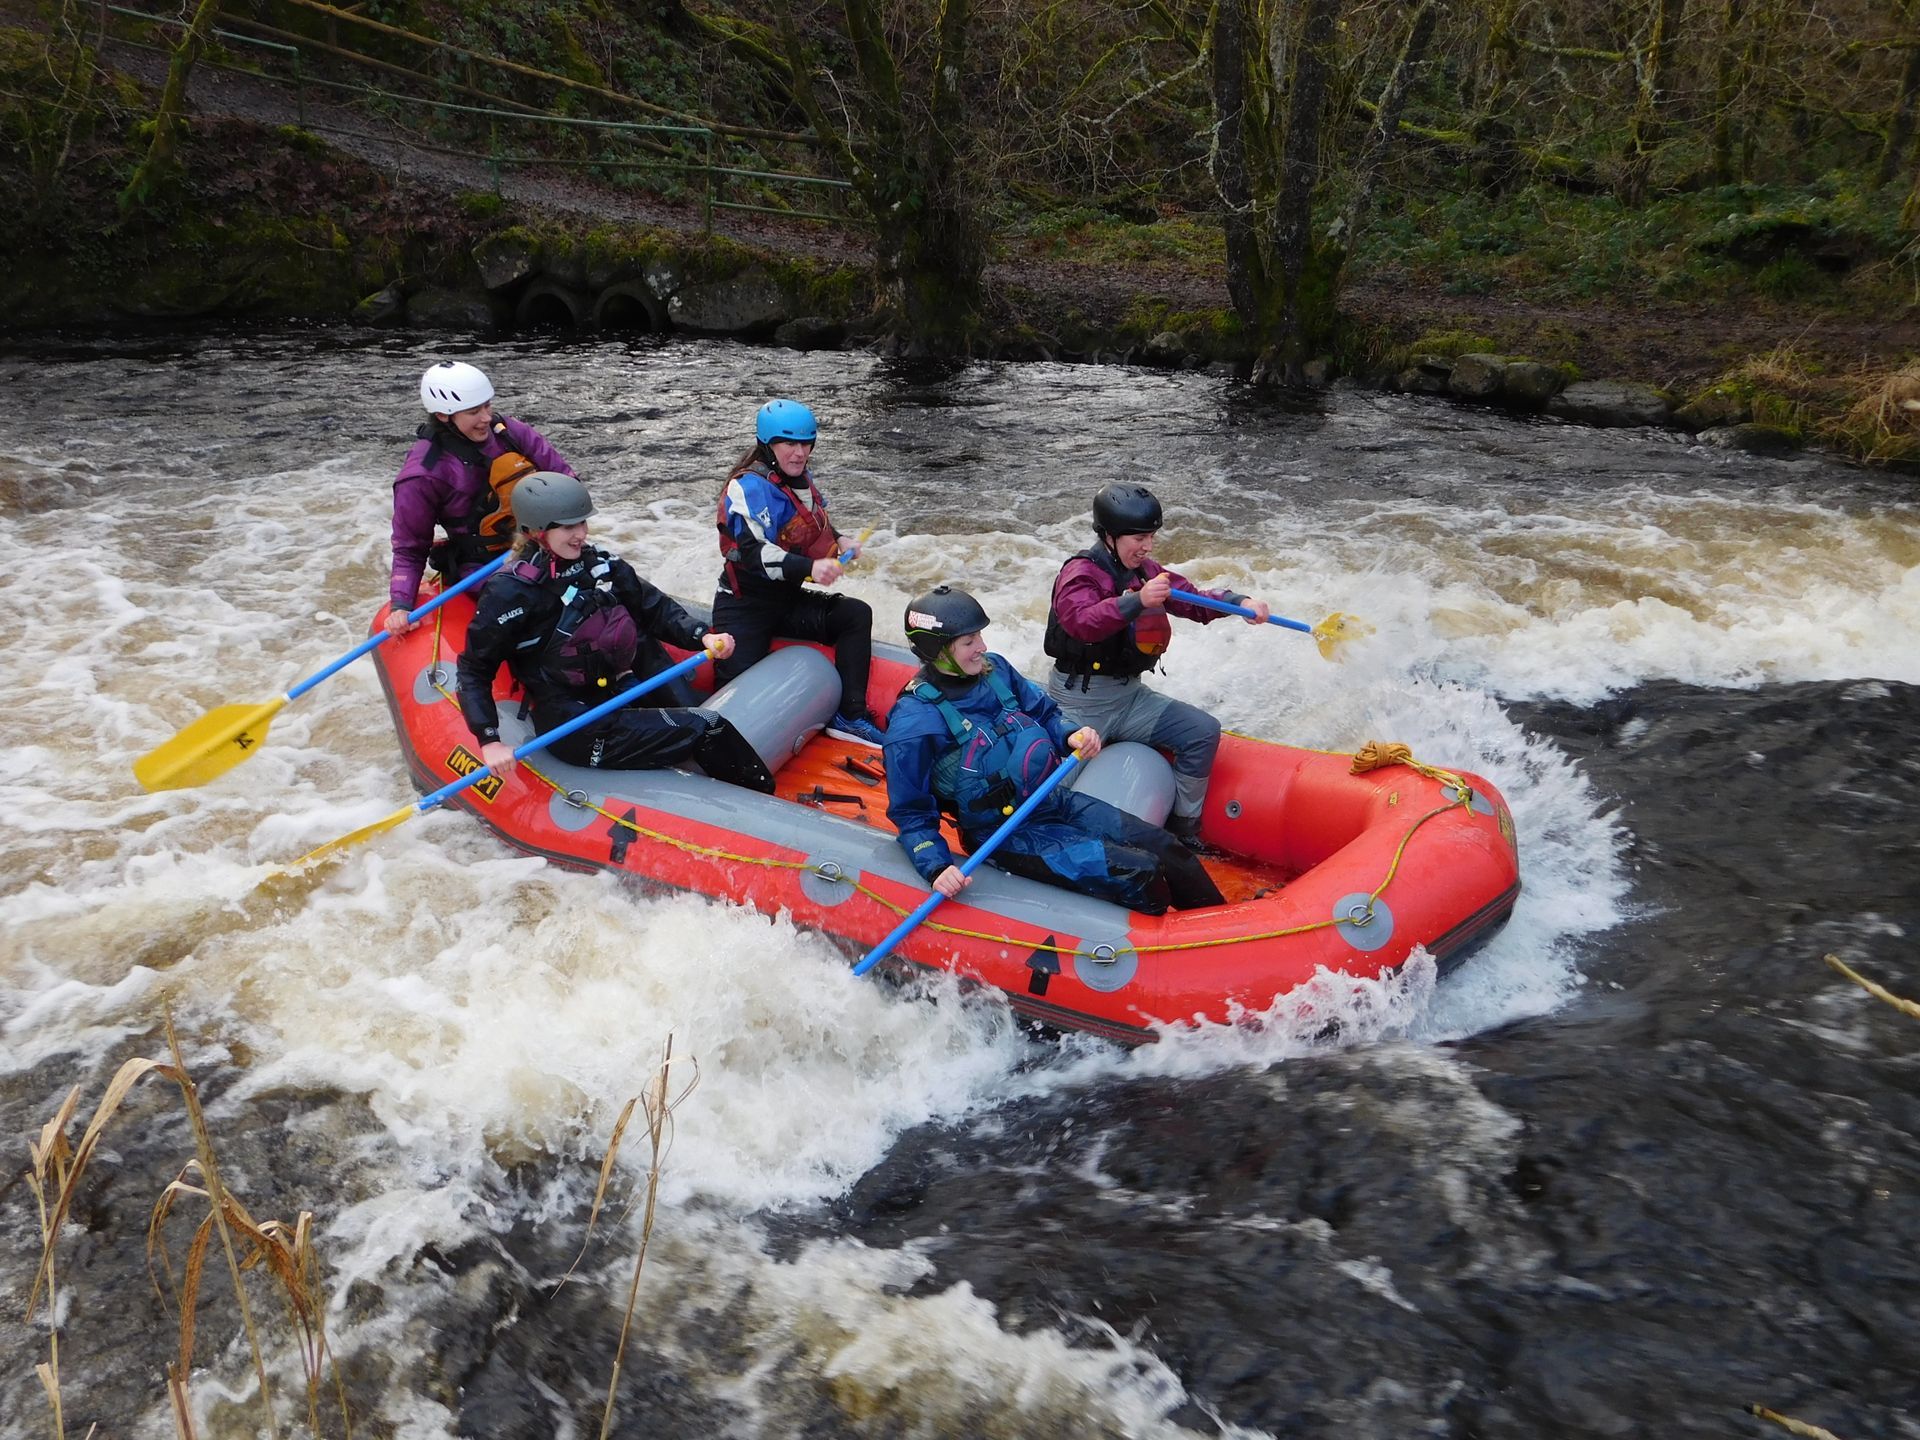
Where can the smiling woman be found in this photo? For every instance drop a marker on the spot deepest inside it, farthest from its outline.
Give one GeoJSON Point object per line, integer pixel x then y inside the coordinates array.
{"type": "Point", "coordinates": [1540, 1197]}
{"type": "Point", "coordinates": [460, 476]}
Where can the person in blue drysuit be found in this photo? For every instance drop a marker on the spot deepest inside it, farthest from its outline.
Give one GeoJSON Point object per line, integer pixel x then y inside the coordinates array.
{"type": "Point", "coordinates": [973, 737]}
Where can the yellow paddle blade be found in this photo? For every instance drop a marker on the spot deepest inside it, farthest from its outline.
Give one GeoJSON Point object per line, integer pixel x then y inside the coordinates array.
{"type": "Point", "coordinates": [354, 837]}
{"type": "Point", "coordinates": [208, 748]}
{"type": "Point", "coordinates": [1336, 630]}
{"type": "Point", "coordinates": [859, 543]}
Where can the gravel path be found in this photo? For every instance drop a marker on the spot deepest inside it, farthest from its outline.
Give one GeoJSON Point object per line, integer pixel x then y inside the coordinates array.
{"type": "Point", "coordinates": [410, 160]}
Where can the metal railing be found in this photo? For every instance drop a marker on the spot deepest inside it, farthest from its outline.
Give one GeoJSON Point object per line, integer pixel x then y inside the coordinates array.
{"type": "Point", "coordinates": [712, 174]}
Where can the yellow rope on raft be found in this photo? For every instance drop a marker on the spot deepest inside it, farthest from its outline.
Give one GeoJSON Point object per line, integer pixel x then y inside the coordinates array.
{"type": "Point", "coordinates": [1373, 753]}
{"type": "Point", "coordinates": [1377, 754]}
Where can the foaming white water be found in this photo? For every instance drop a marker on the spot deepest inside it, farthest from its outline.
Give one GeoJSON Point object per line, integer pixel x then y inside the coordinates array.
{"type": "Point", "coordinates": [1716, 593]}
{"type": "Point", "coordinates": [487, 1010]}
{"type": "Point", "coordinates": [842, 1317]}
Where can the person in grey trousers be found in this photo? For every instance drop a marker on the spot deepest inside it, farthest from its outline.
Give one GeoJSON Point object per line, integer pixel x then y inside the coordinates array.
{"type": "Point", "coordinates": [1107, 627]}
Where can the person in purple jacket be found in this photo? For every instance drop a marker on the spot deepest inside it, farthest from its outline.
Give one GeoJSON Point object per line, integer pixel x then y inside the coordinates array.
{"type": "Point", "coordinates": [465, 461]}
{"type": "Point", "coordinates": [1107, 628]}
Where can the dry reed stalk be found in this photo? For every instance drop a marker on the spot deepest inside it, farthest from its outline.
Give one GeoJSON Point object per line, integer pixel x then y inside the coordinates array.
{"type": "Point", "coordinates": [57, 1169]}
{"type": "Point", "coordinates": [217, 1195]}
{"type": "Point", "coordinates": [1793, 1426]}
{"type": "Point", "coordinates": [285, 1251]}
{"type": "Point", "coordinates": [657, 1109]}
{"type": "Point", "coordinates": [1879, 992]}
{"type": "Point", "coordinates": [177, 1404]}
{"type": "Point", "coordinates": [48, 1156]}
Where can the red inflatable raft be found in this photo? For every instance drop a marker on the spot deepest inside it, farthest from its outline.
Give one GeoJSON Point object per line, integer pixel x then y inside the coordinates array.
{"type": "Point", "coordinates": [1322, 867]}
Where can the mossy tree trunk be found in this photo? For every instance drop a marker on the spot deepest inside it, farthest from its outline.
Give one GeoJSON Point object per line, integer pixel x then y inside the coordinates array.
{"type": "Point", "coordinates": [1900, 127]}
{"type": "Point", "coordinates": [1284, 270]}
{"type": "Point", "coordinates": [160, 170]}
{"type": "Point", "coordinates": [902, 139]}
{"type": "Point", "coordinates": [1646, 123]}
{"type": "Point", "coordinates": [62, 107]}
{"type": "Point", "coordinates": [1489, 97]}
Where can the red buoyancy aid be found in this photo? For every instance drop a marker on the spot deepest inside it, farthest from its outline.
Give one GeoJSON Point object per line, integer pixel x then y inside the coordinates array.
{"type": "Point", "coordinates": [807, 531]}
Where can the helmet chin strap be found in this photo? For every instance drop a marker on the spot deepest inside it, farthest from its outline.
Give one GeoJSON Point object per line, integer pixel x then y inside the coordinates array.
{"type": "Point", "coordinates": [946, 664]}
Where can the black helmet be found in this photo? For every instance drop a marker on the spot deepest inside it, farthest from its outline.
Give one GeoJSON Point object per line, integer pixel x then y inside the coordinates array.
{"type": "Point", "coordinates": [547, 498]}
{"type": "Point", "coordinates": [940, 617]}
{"type": "Point", "coordinates": [1125, 510]}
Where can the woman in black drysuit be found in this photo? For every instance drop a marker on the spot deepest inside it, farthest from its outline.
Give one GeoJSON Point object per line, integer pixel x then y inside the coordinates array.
{"type": "Point", "coordinates": [576, 626]}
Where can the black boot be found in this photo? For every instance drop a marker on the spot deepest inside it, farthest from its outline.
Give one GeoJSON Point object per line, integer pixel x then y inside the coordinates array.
{"type": "Point", "coordinates": [725, 755]}
{"type": "Point", "coordinates": [1186, 829]}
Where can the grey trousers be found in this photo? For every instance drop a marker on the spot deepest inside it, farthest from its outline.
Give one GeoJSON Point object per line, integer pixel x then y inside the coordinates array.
{"type": "Point", "coordinates": [1128, 710]}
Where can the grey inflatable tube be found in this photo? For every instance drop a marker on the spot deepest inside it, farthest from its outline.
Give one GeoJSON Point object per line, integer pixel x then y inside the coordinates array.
{"type": "Point", "coordinates": [1132, 776]}
{"type": "Point", "coordinates": [782, 702]}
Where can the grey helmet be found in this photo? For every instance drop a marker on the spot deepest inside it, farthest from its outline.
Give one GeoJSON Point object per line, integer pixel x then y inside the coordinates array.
{"type": "Point", "coordinates": [547, 498]}
{"type": "Point", "coordinates": [940, 617]}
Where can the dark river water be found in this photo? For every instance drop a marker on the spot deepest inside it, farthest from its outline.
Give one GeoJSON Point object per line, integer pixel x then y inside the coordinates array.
{"type": "Point", "coordinates": [1643, 1163]}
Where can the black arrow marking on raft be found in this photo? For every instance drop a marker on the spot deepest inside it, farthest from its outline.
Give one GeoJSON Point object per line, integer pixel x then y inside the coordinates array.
{"type": "Point", "coordinates": [1045, 964]}
{"type": "Point", "coordinates": [623, 831]}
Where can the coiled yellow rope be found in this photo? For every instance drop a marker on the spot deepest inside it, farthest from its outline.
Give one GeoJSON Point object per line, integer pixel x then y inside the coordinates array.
{"type": "Point", "coordinates": [1377, 754]}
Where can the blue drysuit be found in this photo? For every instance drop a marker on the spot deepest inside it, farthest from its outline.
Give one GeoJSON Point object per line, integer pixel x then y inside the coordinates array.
{"type": "Point", "coordinates": [1071, 840]}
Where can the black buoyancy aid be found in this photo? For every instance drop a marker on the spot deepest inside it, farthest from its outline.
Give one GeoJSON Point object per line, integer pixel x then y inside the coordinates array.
{"type": "Point", "coordinates": [593, 640]}
{"type": "Point", "coordinates": [992, 767]}
{"type": "Point", "coordinates": [810, 532]}
{"type": "Point", "coordinates": [486, 528]}
{"type": "Point", "coordinates": [1132, 650]}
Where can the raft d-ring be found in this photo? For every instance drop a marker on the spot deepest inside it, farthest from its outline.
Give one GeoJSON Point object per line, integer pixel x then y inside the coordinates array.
{"type": "Point", "coordinates": [829, 870]}
{"type": "Point", "coordinates": [1104, 955]}
{"type": "Point", "coordinates": [1363, 920]}
{"type": "Point", "coordinates": [577, 799]}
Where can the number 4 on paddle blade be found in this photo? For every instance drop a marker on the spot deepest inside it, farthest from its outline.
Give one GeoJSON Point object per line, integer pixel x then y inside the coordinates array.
{"type": "Point", "coordinates": [208, 748]}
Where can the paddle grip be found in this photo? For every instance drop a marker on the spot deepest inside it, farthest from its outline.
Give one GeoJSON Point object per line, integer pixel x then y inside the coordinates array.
{"type": "Point", "coordinates": [560, 732]}
{"type": "Point", "coordinates": [972, 863]}
{"type": "Point", "coordinates": [1208, 602]}
{"type": "Point", "coordinates": [374, 642]}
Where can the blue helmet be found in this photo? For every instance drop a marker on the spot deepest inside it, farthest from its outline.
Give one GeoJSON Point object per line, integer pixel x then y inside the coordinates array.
{"type": "Point", "coordinates": [784, 420]}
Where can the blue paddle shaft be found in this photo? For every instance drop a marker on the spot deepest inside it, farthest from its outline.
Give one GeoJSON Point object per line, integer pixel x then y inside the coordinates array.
{"type": "Point", "coordinates": [972, 863]}
{"type": "Point", "coordinates": [1222, 605]}
{"type": "Point", "coordinates": [374, 642]}
{"type": "Point", "coordinates": [560, 732]}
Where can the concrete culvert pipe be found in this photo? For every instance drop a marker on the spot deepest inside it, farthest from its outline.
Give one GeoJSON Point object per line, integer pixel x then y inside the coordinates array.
{"type": "Point", "coordinates": [629, 306]}
{"type": "Point", "coordinates": [547, 305]}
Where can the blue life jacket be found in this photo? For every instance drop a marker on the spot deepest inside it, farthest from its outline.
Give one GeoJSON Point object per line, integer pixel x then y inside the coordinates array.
{"type": "Point", "coordinates": [992, 767]}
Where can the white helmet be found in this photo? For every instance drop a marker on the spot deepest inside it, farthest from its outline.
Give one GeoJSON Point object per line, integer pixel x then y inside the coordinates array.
{"type": "Point", "coordinates": [453, 386]}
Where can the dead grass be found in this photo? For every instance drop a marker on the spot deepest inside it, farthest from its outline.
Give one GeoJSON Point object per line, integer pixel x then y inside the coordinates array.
{"type": "Point", "coordinates": [656, 1109]}
{"type": "Point", "coordinates": [1879, 992]}
{"type": "Point", "coordinates": [1793, 1426]}
{"type": "Point", "coordinates": [1886, 417]}
{"type": "Point", "coordinates": [1869, 412]}
{"type": "Point", "coordinates": [285, 1252]}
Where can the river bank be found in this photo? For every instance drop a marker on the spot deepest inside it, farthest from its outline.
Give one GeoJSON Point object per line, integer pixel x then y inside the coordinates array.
{"type": "Point", "coordinates": [349, 218]}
